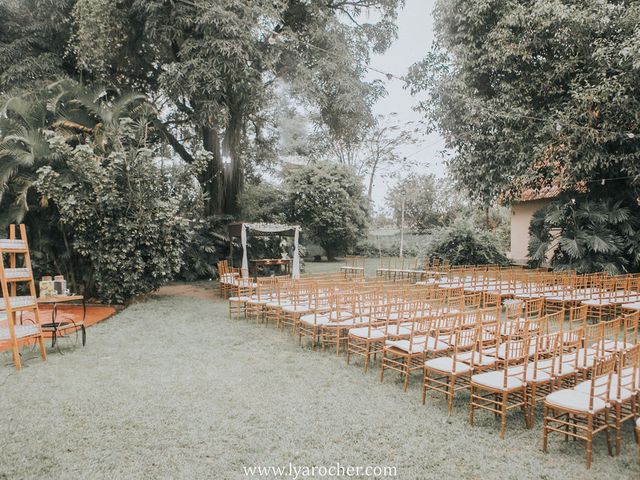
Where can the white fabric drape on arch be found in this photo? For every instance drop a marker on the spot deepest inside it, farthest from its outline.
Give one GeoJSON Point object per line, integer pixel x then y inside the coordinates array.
{"type": "Point", "coordinates": [271, 228]}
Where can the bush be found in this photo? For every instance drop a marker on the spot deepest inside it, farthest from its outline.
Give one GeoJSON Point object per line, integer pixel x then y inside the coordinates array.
{"type": "Point", "coordinates": [463, 244]}
{"type": "Point", "coordinates": [117, 215]}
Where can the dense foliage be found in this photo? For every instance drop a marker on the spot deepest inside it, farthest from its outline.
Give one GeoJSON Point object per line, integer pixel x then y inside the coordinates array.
{"type": "Point", "coordinates": [586, 235]}
{"type": "Point", "coordinates": [84, 170]}
{"type": "Point", "coordinates": [216, 65]}
{"type": "Point", "coordinates": [328, 201]}
{"type": "Point", "coordinates": [462, 243]}
{"type": "Point", "coordinates": [174, 157]}
{"type": "Point", "coordinates": [117, 216]}
{"type": "Point", "coordinates": [532, 93]}
{"type": "Point", "coordinates": [417, 196]}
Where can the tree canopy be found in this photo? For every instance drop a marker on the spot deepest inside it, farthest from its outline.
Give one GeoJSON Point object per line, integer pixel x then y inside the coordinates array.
{"type": "Point", "coordinates": [327, 199]}
{"type": "Point", "coordinates": [532, 93]}
{"type": "Point", "coordinates": [213, 67]}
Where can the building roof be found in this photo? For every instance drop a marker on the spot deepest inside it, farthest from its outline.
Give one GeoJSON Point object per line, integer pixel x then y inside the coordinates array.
{"type": "Point", "coordinates": [544, 193]}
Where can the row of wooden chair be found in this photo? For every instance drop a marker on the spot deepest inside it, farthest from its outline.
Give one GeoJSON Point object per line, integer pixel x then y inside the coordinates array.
{"type": "Point", "coordinates": [460, 340]}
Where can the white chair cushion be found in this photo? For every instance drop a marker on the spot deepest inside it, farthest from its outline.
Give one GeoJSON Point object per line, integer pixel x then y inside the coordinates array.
{"type": "Point", "coordinates": [296, 308]}
{"type": "Point", "coordinates": [396, 330]}
{"type": "Point", "coordinates": [596, 302]}
{"type": "Point", "coordinates": [574, 400]}
{"type": "Point", "coordinates": [239, 299]}
{"type": "Point", "coordinates": [495, 380]}
{"type": "Point", "coordinates": [446, 364]}
{"type": "Point", "coordinates": [405, 345]}
{"type": "Point", "coordinates": [276, 304]}
{"type": "Point", "coordinates": [313, 319]}
{"type": "Point", "coordinates": [364, 332]}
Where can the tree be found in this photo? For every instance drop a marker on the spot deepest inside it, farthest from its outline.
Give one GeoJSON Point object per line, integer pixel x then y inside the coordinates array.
{"type": "Point", "coordinates": [33, 43]}
{"type": "Point", "coordinates": [532, 93]}
{"type": "Point", "coordinates": [118, 218]}
{"type": "Point", "coordinates": [80, 167]}
{"type": "Point", "coordinates": [418, 193]}
{"type": "Point", "coordinates": [428, 202]}
{"type": "Point", "coordinates": [378, 151]}
{"type": "Point", "coordinates": [25, 123]}
{"type": "Point", "coordinates": [215, 71]}
{"type": "Point", "coordinates": [327, 200]}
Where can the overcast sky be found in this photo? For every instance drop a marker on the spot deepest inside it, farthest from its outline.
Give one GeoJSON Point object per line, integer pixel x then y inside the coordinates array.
{"type": "Point", "coordinates": [415, 34]}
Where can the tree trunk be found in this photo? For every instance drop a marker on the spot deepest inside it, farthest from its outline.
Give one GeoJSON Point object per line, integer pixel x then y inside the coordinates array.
{"type": "Point", "coordinates": [212, 180]}
{"type": "Point", "coordinates": [371, 177]}
{"type": "Point", "coordinates": [234, 165]}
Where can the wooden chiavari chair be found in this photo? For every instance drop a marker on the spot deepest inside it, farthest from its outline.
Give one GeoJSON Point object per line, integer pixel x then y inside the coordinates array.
{"type": "Point", "coordinates": [368, 340]}
{"type": "Point", "coordinates": [309, 324]}
{"type": "Point", "coordinates": [344, 316]}
{"type": "Point", "coordinates": [503, 390]}
{"type": "Point", "coordinates": [265, 292]}
{"type": "Point", "coordinates": [624, 394]}
{"type": "Point", "coordinates": [272, 311]}
{"type": "Point", "coordinates": [446, 374]}
{"type": "Point", "coordinates": [582, 415]}
{"type": "Point", "coordinates": [539, 374]}
{"type": "Point", "coordinates": [241, 292]}
{"type": "Point", "coordinates": [406, 355]}
{"type": "Point", "coordinates": [299, 302]}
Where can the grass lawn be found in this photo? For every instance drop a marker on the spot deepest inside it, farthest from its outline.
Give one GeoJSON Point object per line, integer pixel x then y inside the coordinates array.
{"type": "Point", "coordinates": [172, 388]}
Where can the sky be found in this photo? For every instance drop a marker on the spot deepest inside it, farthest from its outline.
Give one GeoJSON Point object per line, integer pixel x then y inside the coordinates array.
{"type": "Point", "coordinates": [415, 35]}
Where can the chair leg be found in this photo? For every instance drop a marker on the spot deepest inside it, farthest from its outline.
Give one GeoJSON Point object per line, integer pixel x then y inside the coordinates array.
{"type": "Point", "coordinates": [545, 432]}
{"type": "Point", "coordinates": [452, 385]}
{"type": "Point", "coordinates": [471, 413]}
{"type": "Point", "coordinates": [589, 440]}
{"type": "Point", "coordinates": [407, 368]}
{"type": "Point", "coordinates": [43, 349]}
{"type": "Point", "coordinates": [618, 427]}
{"type": "Point", "coordinates": [606, 419]}
{"type": "Point", "coordinates": [503, 421]}
{"type": "Point", "coordinates": [425, 380]}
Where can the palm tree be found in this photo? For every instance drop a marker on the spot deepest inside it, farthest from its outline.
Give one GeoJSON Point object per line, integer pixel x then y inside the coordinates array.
{"type": "Point", "coordinates": [81, 115]}
{"type": "Point", "coordinates": [588, 234]}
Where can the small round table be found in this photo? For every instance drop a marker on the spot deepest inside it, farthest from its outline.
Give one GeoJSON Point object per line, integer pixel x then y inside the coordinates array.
{"type": "Point", "coordinates": [55, 327]}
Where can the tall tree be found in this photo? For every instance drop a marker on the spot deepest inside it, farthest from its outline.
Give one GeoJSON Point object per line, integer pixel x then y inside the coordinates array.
{"type": "Point", "coordinates": [532, 93]}
{"type": "Point", "coordinates": [33, 42]}
{"type": "Point", "coordinates": [215, 63]}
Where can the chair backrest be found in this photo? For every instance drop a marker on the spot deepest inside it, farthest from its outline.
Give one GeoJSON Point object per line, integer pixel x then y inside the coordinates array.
{"type": "Point", "coordinates": [516, 351]}
{"type": "Point", "coordinates": [578, 316]}
{"type": "Point", "coordinates": [630, 324]}
{"type": "Point", "coordinates": [546, 347]}
{"type": "Point", "coordinates": [627, 371]}
{"type": "Point", "coordinates": [465, 339]}
{"type": "Point", "coordinates": [600, 385]}
{"type": "Point", "coordinates": [554, 322]}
